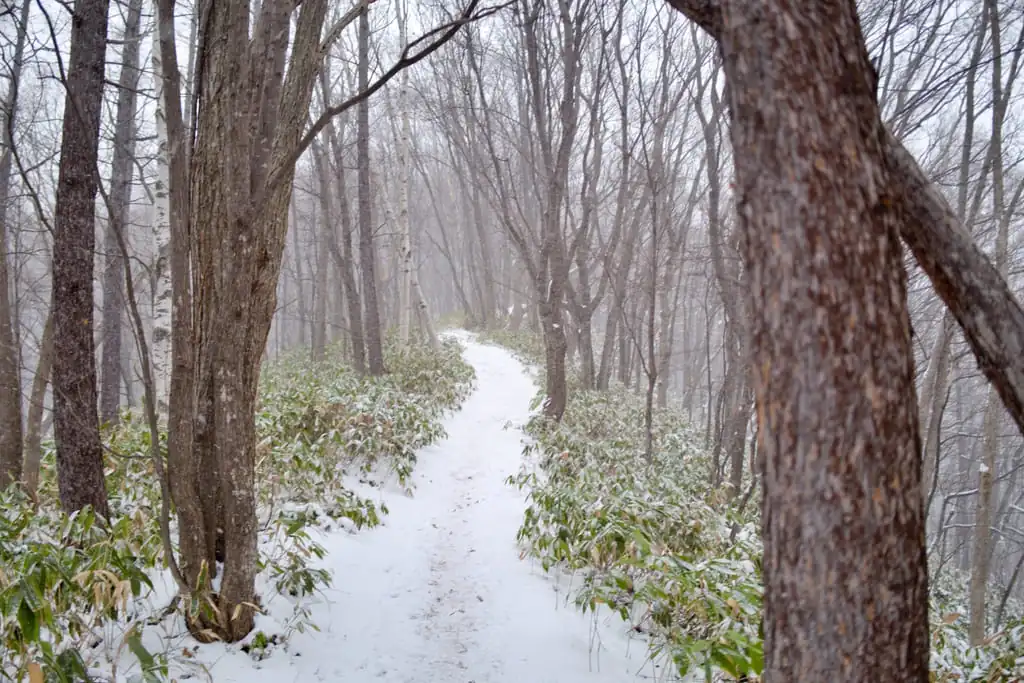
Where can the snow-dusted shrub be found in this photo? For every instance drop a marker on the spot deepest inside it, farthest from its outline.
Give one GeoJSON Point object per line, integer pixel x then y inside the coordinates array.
{"type": "Point", "coordinates": [61, 578]}
{"type": "Point", "coordinates": [645, 534]}
{"type": "Point", "coordinates": [653, 543]}
{"type": "Point", "coordinates": [1000, 658]}
{"type": "Point", "coordinates": [70, 588]}
{"type": "Point", "coordinates": [315, 419]}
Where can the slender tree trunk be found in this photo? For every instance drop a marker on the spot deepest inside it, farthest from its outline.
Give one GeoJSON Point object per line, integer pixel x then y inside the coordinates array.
{"type": "Point", "coordinates": [186, 473]}
{"type": "Point", "coordinates": [162, 298]}
{"type": "Point", "coordinates": [355, 306]}
{"type": "Point", "coordinates": [76, 419]}
{"type": "Point", "coordinates": [981, 553]}
{"type": "Point", "coordinates": [367, 255]}
{"type": "Point", "coordinates": [320, 291]}
{"type": "Point", "coordinates": [489, 299]}
{"type": "Point", "coordinates": [36, 404]}
{"type": "Point", "coordinates": [936, 376]}
{"type": "Point", "coordinates": [122, 171]}
{"type": "Point", "coordinates": [10, 370]}
{"type": "Point", "coordinates": [405, 297]}
{"type": "Point", "coordinates": [300, 286]}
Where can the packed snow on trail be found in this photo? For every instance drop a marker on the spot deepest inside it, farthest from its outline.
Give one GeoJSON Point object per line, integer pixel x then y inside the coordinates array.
{"type": "Point", "coordinates": [439, 593]}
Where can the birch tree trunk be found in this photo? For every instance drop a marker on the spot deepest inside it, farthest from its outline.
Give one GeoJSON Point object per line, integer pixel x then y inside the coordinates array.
{"type": "Point", "coordinates": [121, 174]}
{"type": "Point", "coordinates": [161, 235]}
{"type": "Point", "coordinates": [10, 374]}
{"type": "Point", "coordinates": [76, 419]}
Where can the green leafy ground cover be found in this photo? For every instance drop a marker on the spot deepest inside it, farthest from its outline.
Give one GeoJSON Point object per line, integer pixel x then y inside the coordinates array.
{"type": "Point", "coordinates": [70, 588]}
{"type": "Point", "coordinates": [650, 539]}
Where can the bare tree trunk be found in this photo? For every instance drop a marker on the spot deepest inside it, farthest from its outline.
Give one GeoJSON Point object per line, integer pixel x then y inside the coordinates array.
{"type": "Point", "coordinates": [981, 553]}
{"type": "Point", "coordinates": [937, 374]}
{"type": "Point", "coordinates": [367, 255]}
{"type": "Point", "coordinates": [36, 404]}
{"type": "Point", "coordinates": [300, 286]}
{"type": "Point", "coordinates": [163, 293]}
{"type": "Point", "coordinates": [833, 364]}
{"type": "Point", "coordinates": [406, 297]}
{"type": "Point", "coordinates": [347, 269]}
{"type": "Point", "coordinates": [122, 171]}
{"type": "Point", "coordinates": [10, 370]}
{"type": "Point", "coordinates": [320, 291]}
{"type": "Point", "coordinates": [76, 420]}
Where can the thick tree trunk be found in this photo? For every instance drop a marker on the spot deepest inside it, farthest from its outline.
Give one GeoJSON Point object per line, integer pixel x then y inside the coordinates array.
{"type": "Point", "coordinates": [122, 170]}
{"type": "Point", "coordinates": [845, 568]}
{"type": "Point", "coordinates": [76, 420]}
{"type": "Point", "coordinates": [10, 372]}
{"type": "Point", "coordinates": [367, 255]}
{"type": "Point", "coordinates": [222, 450]}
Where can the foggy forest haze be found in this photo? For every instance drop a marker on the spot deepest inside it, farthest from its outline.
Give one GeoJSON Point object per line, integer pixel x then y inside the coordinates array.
{"type": "Point", "coordinates": [482, 341]}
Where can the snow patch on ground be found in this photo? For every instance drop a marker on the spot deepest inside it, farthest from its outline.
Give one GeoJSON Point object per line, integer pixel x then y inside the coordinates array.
{"type": "Point", "coordinates": [438, 594]}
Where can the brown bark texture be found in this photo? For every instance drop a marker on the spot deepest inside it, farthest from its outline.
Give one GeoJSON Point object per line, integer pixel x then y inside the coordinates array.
{"type": "Point", "coordinates": [76, 420]}
{"type": "Point", "coordinates": [845, 567]}
{"type": "Point", "coordinates": [844, 532]}
{"type": "Point", "coordinates": [968, 283]}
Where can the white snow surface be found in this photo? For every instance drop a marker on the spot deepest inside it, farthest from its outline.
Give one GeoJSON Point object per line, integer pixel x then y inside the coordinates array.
{"type": "Point", "coordinates": [439, 593]}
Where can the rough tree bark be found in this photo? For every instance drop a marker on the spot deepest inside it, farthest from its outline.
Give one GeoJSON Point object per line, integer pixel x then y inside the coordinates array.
{"type": "Point", "coordinates": [76, 419]}
{"type": "Point", "coordinates": [845, 567]}
{"type": "Point", "coordinates": [967, 282]}
{"type": "Point", "coordinates": [844, 531]}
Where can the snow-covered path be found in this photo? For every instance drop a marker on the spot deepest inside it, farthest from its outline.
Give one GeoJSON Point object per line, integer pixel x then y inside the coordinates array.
{"type": "Point", "coordinates": [440, 594]}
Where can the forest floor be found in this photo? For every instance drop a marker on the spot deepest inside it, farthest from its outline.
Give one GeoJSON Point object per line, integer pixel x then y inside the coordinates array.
{"type": "Point", "coordinates": [439, 593]}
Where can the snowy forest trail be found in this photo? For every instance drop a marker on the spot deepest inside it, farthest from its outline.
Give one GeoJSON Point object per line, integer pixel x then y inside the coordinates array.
{"type": "Point", "coordinates": [439, 593]}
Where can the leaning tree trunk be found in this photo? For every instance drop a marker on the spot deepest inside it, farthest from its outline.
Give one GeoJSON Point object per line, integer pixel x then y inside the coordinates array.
{"type": "Point", "coordinates": [76, 420]}
{"type": "Point", "coordinates": [844, 558]}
